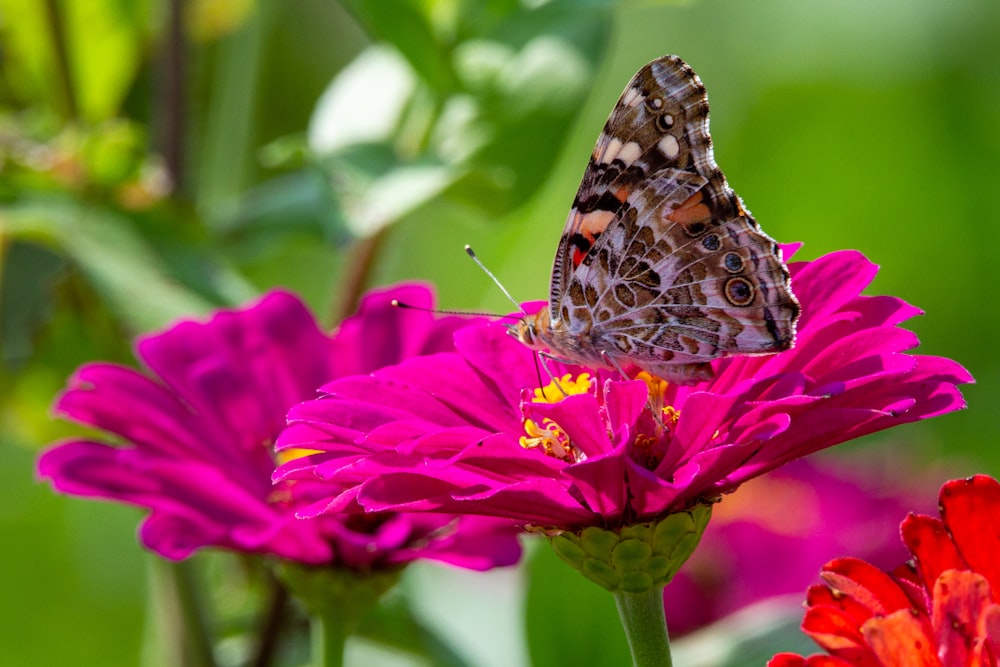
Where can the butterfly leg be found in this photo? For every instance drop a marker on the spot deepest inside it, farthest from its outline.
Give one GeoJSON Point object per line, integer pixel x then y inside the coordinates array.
{"type": "Point", "coordinates": [613, 363]}
{"type": "Point", "coordinates": [546, 356]}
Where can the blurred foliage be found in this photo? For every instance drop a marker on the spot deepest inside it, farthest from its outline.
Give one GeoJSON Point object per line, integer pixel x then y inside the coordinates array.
{"type": "Point", "coordinates": [162, 157]}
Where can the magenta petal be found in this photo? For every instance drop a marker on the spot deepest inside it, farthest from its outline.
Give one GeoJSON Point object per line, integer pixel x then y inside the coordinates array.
{"type": "Point", "coordinates": [541, 501]}
{"type": "Point", "coordinates": [381, 397]}
{"type": "Point", "coordinates": [601, 484]}
{"type": "Point", "coordinates": [89, 469]}
{"type": "Point", "coordinates": [657, 495]}
{"type": "Point", "coordinates": [605, 458]}
{"type": "Point", "coordinates": [828, 283]}
{"type": "Point", "coordinates": [625, 402]}
{"type": "Point", "coordinates": [499, 359]}
{"type": "Point", "coordinates": [464, 394]}
{"type": "Point", "coordinates": [481, 543]}
{"type": "Point", "coordinates": [126, 403]}
{"type": "Point", "coordinates": [199, 434]}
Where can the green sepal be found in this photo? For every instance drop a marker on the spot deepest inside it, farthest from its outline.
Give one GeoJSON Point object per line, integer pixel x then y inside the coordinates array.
{"type": "Point", "coordinates": [338, 592]}
{"type": "Point", "coordinates": [634, 558]}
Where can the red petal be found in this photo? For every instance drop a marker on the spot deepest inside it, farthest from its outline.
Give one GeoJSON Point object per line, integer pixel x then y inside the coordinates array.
{"type": "Point", "coordinates": [912, 583]}
{"type": "Point", "coordinates": [901, 640]}
{"type": "Point", "coordinates": [867, 584]}
{"type": "Point", "coordinates": [928, 540]}
{"type": "Point", "coordinates": [971, 511]}
{"type": "Point", "coordinates": [959, 616]}
{"type": "Point", "coordinates": [839, 634]}
{"type": "Point", "coordinates": [820, 596]}
{"type": "Point", "coordinates": [792, 660]}
{"type": "Point", "coordinates": [991, 633]}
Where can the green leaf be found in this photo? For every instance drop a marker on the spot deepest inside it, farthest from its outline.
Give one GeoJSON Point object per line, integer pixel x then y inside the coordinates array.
{"type": "Point", "coordinates": [28, 271]}
{"type": "Point", "coordinates": [225, 161]}
{"type": "Point", "coordinates": [121, 265]}
{"type": "Point", "coordinates": [105, 41]}
{"type": "Point", "coordinates": [364, 103]}
{"type": "Point", "coordinates": [402, 24]}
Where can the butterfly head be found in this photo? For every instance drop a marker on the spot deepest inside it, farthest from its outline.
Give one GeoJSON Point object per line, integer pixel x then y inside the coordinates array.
{"type": "Point", "coordinates": [530, 330]}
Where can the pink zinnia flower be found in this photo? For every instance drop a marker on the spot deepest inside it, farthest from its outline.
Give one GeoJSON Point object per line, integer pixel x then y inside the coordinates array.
{"type": "Point", "coordinates": [194, 436]}
{"type": "Point", "coordinates": [941, 609]}
{"type": "Point", "coordinates": [469, 432]}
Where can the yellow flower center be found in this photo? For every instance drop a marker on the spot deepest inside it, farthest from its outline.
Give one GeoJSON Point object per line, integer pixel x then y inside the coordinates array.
{"type": "Point", "coordinates": [549, 436]}
{"type": "Point", "coordinates": [563, 387]}
{"type": "Point", "coordinates": [665, 415]}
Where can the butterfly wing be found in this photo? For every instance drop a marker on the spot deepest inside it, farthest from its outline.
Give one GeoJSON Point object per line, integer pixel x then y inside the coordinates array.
{"type": "Point", "coordinates": [660, 263]}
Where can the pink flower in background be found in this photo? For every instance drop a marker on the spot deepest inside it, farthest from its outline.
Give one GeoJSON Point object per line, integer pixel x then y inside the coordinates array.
{"type": "Point", "coordinates": [193, 437]}
{"type": "Point", "coordinates": [468, 432]}
{"type": "Point", "coordinates": [769, 538]}
{"type": "Point", "coordinates": [941, 609]}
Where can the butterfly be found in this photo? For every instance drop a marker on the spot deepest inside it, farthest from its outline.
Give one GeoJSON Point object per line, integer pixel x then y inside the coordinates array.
{"type": "Point", "coordinates": [660, 266]}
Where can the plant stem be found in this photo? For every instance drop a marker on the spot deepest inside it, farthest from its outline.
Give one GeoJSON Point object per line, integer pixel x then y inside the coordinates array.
{"type": "Point", "coordinates": [360, 263]}
{"type": "Point", "coordinates": [177, 632]}
{"type": "Point", "coordinates": [271, 623]}
{"type": "Point", "coordinates": [645, 627]}
{"type": "Point", "coordinates": [171, 96]}
{"type": "Point", "coordinates": [337, 599]}
{"type": "Point", "coordinates": [329, 637]}
{"type": "Point", "coordinates": [57, 33]}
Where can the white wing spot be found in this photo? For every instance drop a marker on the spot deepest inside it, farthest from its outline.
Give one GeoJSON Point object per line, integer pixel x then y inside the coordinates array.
{"type": "Point", "coordinates": [668, 146]}
{"type": "Point", "coordinates": [611, 151]}
{"type": "Point", "coordinates": [632, 97]}
{"type": "Point", "coordinates": [629, 153]}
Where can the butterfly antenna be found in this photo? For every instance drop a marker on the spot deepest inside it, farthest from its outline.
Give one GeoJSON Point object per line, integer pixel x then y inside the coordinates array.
{"type": "Point", "coordinates": [471, 253]}
{"type": "Point", "coordinates": [396, 303]}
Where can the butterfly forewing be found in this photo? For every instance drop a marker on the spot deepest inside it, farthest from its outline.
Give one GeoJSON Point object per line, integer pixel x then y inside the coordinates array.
{"type": "Point", "coordinates": [659, 264]}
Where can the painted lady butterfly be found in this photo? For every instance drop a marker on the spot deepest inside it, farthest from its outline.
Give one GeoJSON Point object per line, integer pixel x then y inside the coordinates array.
{"type": "Point", "coordinates": [660, 266]}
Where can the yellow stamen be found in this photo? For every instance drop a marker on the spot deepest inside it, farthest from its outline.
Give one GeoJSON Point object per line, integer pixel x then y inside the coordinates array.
{"type": "Point", "coordinates": [549, 437]}
{"type": "Point", "coordinates": [667, 414]}
{"type": "Point", "coordinates": [562, 387]}
{"type": "Point", "coordinates": [657, 388]}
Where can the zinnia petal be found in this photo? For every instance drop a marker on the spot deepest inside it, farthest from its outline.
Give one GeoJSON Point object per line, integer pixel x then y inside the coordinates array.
{"type": "Point", "coordinates": [198, 433]}
{"type": "Point", "coordinates": [849, 374]}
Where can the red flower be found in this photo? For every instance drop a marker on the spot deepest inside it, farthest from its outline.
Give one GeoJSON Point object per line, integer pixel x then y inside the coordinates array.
{"type": "Point", "coordinates": [941, 609]}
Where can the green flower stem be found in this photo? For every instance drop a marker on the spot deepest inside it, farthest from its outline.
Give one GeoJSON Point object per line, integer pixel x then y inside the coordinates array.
{"type": "Point", "coordinates": [337, 600]}
{"type": "Point", "coordinates": [329, 637]}
{"type": "Point", "coordinates": [178, 632]}
{"type": "Point", "coordinates": [645, 627]}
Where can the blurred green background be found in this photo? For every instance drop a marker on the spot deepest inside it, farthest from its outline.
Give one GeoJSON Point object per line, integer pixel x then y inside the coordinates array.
{"type": "Point", "coordinates": [159, 158]}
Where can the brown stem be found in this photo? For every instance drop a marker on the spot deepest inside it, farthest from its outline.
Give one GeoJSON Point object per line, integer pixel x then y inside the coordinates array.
{"type": "Point", "coordinates": [271, 625]}
{"type": "Point", "coordinates": [359, 266]}
{"type": "Point", "coordinates": [172, 96]}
